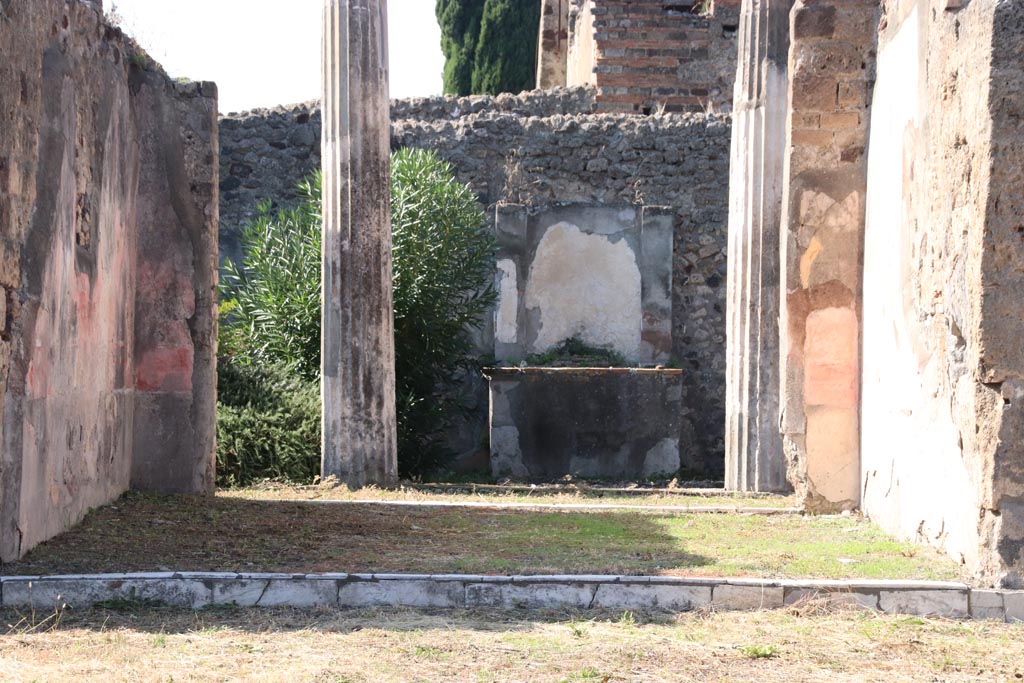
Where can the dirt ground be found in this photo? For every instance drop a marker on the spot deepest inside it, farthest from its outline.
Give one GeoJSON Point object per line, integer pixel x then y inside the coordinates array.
{"type": "Point", "coordinates": [392, 646]}
{"type": "Point", "coordinates": [151, 533]}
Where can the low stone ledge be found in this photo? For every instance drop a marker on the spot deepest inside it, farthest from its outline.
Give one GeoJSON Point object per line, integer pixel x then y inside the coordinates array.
{"type": "Point", "coordinates": [420, 592]}
{"type": "Point", "coordinates": [836, 596]}
{"type": "Point", "coordinates": [1013, 603]}
{"type": "Point", "coordinates": [195, 590]}
{"type": "Point", "coordinates": [560, 507]}
{"type": "Point", "coordinates": [987, 604]}
{"type": "Point", "coordinates": [575, 595]}
{"type": "Point", "coordinates": [731, 596]}
{"type": "Point", "coordinates": [84, 592]}
{"type": "Point", "coordinates": [651, 597]}
{"type": "Point", "coordinates": [276, 592]}
{"type": "Point", "coordinates": [952, 604]}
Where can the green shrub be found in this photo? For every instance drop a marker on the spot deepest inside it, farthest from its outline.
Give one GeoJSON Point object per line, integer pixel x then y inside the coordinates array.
{"type": "Point", "coordinates": [575, 353]}
{"type": "Point", "coordinates": [270, 340]}
{"type": "Point", "coordinates": [443, 273]}
{"type": "Point", "coordinates": [273, 298]}
{"type": "Point", "coordinates": [268, 424]}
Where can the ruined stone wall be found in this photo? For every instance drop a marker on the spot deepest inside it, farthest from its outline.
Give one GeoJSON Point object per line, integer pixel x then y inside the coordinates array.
{"type": "Point", "coordinates": [265, 152]}
{"type": "Point", "coordinates": [943, 399]}
{"type": "Point", "coordinates": [649, 55]}
{"type": "Point", "coordinates": [107, 266]}
{"type": "Point", "coordinates": [506, 151]}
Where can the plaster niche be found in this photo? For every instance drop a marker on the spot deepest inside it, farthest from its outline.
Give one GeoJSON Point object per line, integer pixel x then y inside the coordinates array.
{"type": "Point", "coordinates": [587, 286]}
{"type": "Point", "coordinates": [600, 273]}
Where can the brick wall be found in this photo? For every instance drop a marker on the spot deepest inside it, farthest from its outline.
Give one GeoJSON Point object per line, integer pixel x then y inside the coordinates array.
{"type": "Point", "coordinates": [649, 55]}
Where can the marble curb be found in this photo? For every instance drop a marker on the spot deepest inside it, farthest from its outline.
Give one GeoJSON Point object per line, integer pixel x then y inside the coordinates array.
{"type": "Point", "coordinates": [196, 590]}
{"type": "Point", "coordinates": [556, 507]}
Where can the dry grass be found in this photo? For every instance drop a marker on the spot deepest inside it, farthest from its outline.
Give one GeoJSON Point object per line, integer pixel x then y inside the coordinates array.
{"type": "Point", "coordinates": [149, 533]}
{"type": "Point", "coordinates": [387, 646]}
{"type": "Point", "coordinates": [570, 494]}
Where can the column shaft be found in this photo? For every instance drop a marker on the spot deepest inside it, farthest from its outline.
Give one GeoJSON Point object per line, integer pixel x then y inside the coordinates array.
{"type": "Point", "coordinates": [358, 355]}
{"type": "Point", "coordinates": [754, 458]}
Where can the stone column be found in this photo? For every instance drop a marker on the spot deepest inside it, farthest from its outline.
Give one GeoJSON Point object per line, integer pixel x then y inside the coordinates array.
{"type": "Point", "coordinates": [754, 459]}
{"type": "Point", "coordinates": [358, 353]}
{"type": "Point", "coordinates": [552, 60]}
{"type": "Point", "coordinates": [832, 63]}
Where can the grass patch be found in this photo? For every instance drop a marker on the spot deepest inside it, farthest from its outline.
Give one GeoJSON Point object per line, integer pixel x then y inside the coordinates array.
{"type": "Point", "coordinates": [760, 651]}
{"type": "Point", "coordinates": [152, 533]}
{"type": "Point", "coordinates": [391, 646]}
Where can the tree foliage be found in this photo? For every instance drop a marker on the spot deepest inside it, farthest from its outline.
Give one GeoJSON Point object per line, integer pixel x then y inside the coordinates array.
{"type": "Point", "coordinates": [490, 46]}
{"type": "Point", "coordinates": [270, 332]}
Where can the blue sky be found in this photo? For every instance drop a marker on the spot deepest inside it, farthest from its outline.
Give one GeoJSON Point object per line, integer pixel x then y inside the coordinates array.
{"type": "Point", "coordinates": [264, 53]}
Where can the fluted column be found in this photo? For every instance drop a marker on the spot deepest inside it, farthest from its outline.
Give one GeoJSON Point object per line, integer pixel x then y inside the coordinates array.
{"type": "Point", "coordinates": [358, 354]}
{"type": "Point", "coordinates": [754, 457]}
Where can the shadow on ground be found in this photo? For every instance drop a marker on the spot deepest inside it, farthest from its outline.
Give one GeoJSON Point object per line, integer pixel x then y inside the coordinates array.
{"type": "Point", "coordinates": [142, 533]}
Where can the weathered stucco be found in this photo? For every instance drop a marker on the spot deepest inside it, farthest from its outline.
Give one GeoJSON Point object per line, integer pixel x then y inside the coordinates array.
{"type": "Point", "coordinates": [901, 320]}
{"type": "Point", "coordinates": [176, 273]}
{"type": "Point", "coordinates": [108, 211]}
{"type": "Point", "coordinates": [582, 284]}
{"type": "Point", "coordinates": [943, 460]}
{"type": "Point", "coordinates": [831, 69]}
{"type": "Point", "coordinates": [602, 274]}
{"type": "Point", "coordinates": [553, 44]}
{"type": "Point", "coordinates": [581, 56]}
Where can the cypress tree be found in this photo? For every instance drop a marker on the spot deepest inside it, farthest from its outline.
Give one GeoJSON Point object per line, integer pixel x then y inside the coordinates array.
{"type": "Point", "coordinates": [506, 54]}
{"type": "Point", "coordinates": [490, 46]}
{"type": "Point", "coordinates": [460, 31]}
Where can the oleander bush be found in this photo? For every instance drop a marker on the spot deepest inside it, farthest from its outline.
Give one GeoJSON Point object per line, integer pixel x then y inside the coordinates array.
{"type": "Point", "coordinates": [443, 257]}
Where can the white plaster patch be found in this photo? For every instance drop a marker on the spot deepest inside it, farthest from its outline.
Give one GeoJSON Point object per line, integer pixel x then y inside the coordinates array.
{"type": "Point", "coordinates": [585, 286]}
{"type": "Point", "coordinates": [506, 317]}
{"type": "Point", "coordinates": [663, 458]}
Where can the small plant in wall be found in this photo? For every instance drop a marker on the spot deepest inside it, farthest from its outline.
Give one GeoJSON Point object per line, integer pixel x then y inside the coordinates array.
{"type": "Point", "coordinates": [141, 60]}
{"type": "Point", "coordinates": [575, 353]}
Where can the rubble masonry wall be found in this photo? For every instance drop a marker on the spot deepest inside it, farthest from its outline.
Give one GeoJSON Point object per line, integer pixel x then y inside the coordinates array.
{"type": "Point", "coordinates": [540, 148]}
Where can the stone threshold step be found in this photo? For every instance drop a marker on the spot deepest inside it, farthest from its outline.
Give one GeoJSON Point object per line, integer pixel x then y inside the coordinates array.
{"type": "Point", "coordinates": [197, 590]}
{"type": "Point", "coordinates": [558, 507]}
